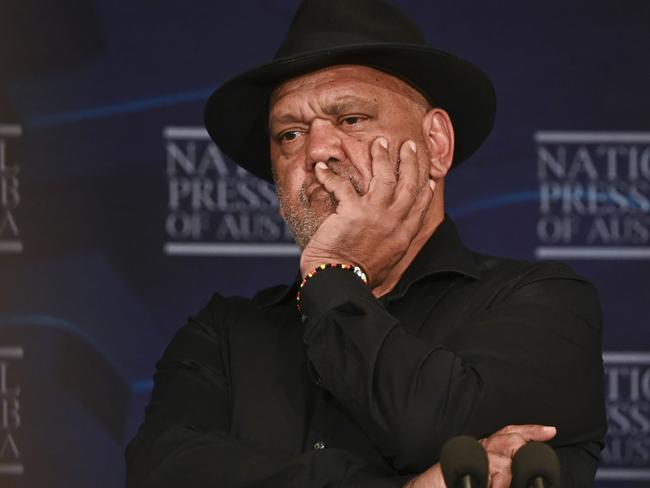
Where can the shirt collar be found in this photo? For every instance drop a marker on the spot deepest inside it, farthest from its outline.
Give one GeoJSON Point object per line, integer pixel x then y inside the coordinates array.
{"type": "Point", "coordinates": [442, 253]}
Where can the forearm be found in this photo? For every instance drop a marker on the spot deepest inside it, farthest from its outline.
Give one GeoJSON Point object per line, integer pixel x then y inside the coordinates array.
{"type": "Point", "coordinates": [411, 395]}
{"type": "Point", "coordinates": [397, 386]}
{"type": "Point", "coordinates": [182, 456]}
{"type": "Point", "coordinates": [186, 440]}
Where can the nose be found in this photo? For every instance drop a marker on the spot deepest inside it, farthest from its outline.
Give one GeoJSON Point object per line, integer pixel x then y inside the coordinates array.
{"type": "Point", "coordinates": [323, 144]}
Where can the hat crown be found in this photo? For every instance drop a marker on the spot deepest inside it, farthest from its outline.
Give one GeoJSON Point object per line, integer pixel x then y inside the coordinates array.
{"type": "Point", "coordinates": [327, 24]}
{"type": "Point", "coordinates": [363, 32]}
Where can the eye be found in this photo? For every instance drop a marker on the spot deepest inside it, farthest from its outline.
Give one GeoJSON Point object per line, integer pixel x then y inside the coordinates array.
{"type": "Point", "coordinates": [288, 136]}
{"type": "Point", "coordinates": [352, 120]}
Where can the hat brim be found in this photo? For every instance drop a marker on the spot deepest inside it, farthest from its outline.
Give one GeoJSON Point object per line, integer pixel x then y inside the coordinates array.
{"type": "Point", "coordinates": [236, 114]}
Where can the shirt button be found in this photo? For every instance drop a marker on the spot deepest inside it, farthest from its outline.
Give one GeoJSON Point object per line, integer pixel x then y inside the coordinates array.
{"type": "Point", "coordinates": [319, 445]}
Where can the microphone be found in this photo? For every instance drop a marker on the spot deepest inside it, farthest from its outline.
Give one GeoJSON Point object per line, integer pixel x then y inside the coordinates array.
{"type": "Point", "coordinates": [535, 465]}
{"type": "Point", "coordinates": [464, 463]}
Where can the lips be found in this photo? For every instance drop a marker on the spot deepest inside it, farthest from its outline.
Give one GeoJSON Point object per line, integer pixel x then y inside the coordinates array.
{"type": "Point", "coordinates": [313, 188]}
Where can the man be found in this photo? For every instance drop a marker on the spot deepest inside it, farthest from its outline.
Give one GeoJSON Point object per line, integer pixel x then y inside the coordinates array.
{"type": "Point", "coordinates": [397, 338]}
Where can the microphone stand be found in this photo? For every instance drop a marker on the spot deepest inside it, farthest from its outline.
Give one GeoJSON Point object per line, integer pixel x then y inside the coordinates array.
{"type": "Point", "coordinates": [466, 482]}
{"type": "Point", "coordinates": [538, 482]}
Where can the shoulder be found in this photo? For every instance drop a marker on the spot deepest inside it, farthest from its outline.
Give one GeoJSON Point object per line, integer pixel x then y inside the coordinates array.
{"type": "Point", "coordinates": [546, 284]}
{"type": "Point", "coordinates": [220, 303]}
{"type": "Point", "coordinates": [518, 272]}
{"type": "Point", "coordinates": [221, 316]}
{"type": "Point", "coordinates": [222, 311]}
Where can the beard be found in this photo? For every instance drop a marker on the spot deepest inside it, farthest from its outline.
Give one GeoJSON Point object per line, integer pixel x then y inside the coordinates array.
{"type": "Point", "coordinates": [305, 214]}
{"type": "Point", "coordinates": [301, 216]}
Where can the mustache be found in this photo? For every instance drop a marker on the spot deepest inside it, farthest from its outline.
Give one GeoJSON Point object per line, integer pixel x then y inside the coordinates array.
{"type": "Point", "coordinates": [348, 173]}
{"type": "Point", "coordinates": [308, 188]}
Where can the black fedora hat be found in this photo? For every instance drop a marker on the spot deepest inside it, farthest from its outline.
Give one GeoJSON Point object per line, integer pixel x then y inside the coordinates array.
{"type": "Point", "coordinates": [367, 32]}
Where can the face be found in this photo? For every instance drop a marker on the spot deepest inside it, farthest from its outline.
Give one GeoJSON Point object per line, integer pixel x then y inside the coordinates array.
{"type": "Point", "coordinates": [333, 115]}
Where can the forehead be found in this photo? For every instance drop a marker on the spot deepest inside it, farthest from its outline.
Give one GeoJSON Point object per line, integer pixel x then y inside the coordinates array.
{"type": "Point", "coordinates": [335, 79]}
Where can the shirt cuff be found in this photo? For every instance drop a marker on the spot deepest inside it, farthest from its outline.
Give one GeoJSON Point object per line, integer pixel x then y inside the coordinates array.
{"type": "Point", "coordinates": [328, 289]}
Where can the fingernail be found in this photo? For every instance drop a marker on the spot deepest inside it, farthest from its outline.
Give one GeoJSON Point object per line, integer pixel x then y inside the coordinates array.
{"type": "Point", "coordinates": [383, 142]}
{"type": "Point", "coordinates": [549, 429]}
{"type": "Point", "coordinates": [432, 184]}
{"type": "Point", "coordinates": [321, 165]}
{"type": "Point", "coordinates": [411, 144]}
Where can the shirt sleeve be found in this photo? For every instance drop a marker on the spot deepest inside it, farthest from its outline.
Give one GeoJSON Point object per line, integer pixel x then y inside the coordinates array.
{"type": "Point", "coordinates": [533, 356]}
{"type": "Point", "coordinates": [184, 439]}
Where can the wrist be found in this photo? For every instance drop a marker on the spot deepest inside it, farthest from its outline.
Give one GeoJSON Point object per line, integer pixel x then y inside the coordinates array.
{"type": "Point", "coordinates": [312, 257]}
{"type": "Point", "coordinates": [431, 478]}
{"type": "Point", "coordinates": [350, 268]}
{"type": "Point", "coordinates": [308, 263]}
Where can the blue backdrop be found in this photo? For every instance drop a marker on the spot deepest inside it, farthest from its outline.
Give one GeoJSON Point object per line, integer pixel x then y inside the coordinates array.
{"type": "Point", "coordinates": [119, 218]}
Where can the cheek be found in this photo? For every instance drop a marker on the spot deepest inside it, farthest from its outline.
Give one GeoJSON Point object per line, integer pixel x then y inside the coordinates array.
{"type": "Point", "coordinates": [283, 164]}
{"type": "Point", "coordinates": [276, 159]}
{"type": "Point", "coordinates": [289, 177]}
{"type": "Point", "coordinates": [398, 134]}
{"type": "Point", "coordinates": [357, 149]}
{"type": "Point", "coordinates": [287, 150]}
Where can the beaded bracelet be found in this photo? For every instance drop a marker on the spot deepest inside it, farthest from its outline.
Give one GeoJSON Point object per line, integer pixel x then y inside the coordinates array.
{"type": "Point", "coordinates": [355, 269]}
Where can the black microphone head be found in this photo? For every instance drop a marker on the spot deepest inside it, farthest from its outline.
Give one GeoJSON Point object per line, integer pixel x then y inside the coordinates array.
{"type": "Point", "coordinates": [532, 460]}
{"type": "Point", "coordinates": [463, 455]}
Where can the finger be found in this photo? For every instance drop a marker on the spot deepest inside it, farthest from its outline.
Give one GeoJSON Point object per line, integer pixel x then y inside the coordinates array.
{"type": "Point", "coordinates": [504, 444]}
{"type": "Point", "coordinates": [415, 215]}
{"type": "Point", "coordinates": [341, 187]}
{"type": "Point", "coordinates": [412, 221]}
{"type": "Point", "coordinates": [499, 468]}
{"type": "Point", "coordinates": [382, 183]}
{"type": "Point", "coordinates": [407, 187]}
{"type": "Point", "coordinates": [500, 480]}
{"type": "Point", "coordinates": [531, 432]}
{"type": "Point", "coordinates": [498, 463]}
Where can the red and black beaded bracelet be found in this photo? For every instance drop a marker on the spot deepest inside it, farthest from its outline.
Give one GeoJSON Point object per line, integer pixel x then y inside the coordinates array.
{"type": "Point", "coordinates": [355, 269]}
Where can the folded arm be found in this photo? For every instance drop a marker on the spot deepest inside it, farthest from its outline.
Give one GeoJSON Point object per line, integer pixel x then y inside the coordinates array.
{"type": "Point", "coordinates": [185, 441]}
{"type": "Point", "coordinates": [534, 357]}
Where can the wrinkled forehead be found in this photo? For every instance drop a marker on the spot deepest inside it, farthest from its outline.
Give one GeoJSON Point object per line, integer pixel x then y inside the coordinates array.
{"type": "Point", "coordinates": [345, 76]}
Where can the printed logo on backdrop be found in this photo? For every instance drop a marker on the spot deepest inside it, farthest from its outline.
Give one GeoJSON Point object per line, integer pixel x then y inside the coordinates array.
{"type": "Point", "coordinates": [9, 192]}
{"type": "Point", "coordinates": [214, 206]}
{"type": "Point", "coordinates": [10, 418]}
{"type": "Point", "coordinates": [594, 195]}
{"type": "Point", "coordinates": [626, 455]}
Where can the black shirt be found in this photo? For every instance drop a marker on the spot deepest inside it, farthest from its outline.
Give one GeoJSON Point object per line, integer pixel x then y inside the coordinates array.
{"type": "Point", "coordinates": [363, 391]}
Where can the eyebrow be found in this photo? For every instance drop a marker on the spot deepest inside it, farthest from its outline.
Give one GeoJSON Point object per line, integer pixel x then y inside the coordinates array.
{"type": "Point", "coordinates": [348, 103]}
{"type": "Point", "coordinates": [339, 106]}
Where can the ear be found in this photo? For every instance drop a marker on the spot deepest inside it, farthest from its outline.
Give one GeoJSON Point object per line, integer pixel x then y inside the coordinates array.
{"type": "Point", "coordinates": [439, 135]}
